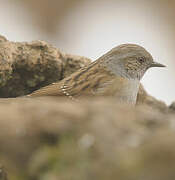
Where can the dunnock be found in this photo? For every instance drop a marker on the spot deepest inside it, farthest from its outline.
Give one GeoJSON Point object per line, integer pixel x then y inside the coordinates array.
{"type": "Point", "coordinates": [117, 73]}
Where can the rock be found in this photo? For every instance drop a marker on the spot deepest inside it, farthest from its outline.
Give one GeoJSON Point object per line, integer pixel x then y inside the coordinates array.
{"type": "Point", "coordinates": [25, 67]}
{"type": "Point", "coordinates": [2, 39]}
{"type": "Point", "coordinates": [144, 98]}
{"type": "Point", "coordinates": [73, 63]}
{"type": "Point", "coordinates": [172, 106]}
{"type": "Point", "coordinates": [156, 158]}
{"type": "Point", "coordinates": [48, 137]}
{"type": "Point", "coordinates": [3, 174]}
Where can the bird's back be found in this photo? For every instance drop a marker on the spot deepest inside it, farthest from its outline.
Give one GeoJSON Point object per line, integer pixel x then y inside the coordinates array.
{"type": "Point", "coordinates": [93, 80]}
{"type": "Point", "coordinates": [81, 83]}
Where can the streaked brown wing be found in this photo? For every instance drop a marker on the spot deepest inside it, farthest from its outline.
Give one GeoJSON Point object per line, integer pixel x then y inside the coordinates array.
{"type": "Point", "coordinates": [50, 90]}
{"type": "Point", "coordinates": [80, 83]}
{"type": "Point", "coordinates": [63, 87]}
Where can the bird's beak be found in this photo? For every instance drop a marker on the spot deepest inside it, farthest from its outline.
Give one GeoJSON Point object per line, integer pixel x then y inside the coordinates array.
{"type": "Point", "coordinates": [155, 64]}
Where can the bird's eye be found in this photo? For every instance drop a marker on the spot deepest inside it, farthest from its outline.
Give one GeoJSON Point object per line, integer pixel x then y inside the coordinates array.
{"type": "Point", "coordinates": [141, 59]}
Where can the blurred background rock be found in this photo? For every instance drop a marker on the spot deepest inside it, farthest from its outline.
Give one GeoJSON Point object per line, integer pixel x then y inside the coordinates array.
{"type": "Point", "coordinates": [96, 139]}
{"type": "Point", "coordinates": [90, 28]}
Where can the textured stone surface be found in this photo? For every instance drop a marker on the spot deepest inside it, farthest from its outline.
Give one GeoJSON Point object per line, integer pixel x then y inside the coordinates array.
{"type": "Point", "coordinates": [73, 63]}
{"type": "Point", "coordinates": [144, 98]}
{"type": "Point", "coordinates": [25, 67]}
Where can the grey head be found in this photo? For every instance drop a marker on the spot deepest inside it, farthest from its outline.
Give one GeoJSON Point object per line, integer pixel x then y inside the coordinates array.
{"type": "Point", "coordinates": [129, 60]}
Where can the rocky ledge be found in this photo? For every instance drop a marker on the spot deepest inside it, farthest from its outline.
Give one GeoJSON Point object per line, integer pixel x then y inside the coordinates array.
{"type": "Point", "coordinates": [55, 138]}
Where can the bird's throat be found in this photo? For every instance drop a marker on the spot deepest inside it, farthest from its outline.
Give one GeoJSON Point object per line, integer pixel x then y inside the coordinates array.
{"type": "Point", "coordinates": [127, 91]}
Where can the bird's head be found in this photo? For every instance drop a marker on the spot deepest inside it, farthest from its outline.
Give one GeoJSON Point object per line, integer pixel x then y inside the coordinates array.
{"type": "Point", "coordinates": [130, 60]}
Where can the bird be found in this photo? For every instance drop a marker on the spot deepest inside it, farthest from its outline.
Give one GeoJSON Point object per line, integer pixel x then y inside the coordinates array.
{"type": "Point", "coordinates": [116, 74]}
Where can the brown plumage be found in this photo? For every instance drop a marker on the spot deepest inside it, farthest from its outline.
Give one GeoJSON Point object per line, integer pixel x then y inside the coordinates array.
{"type": "Point", "coordinates": [85, 81]}
{"type": "Point", "coordinates": [117, 73]}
